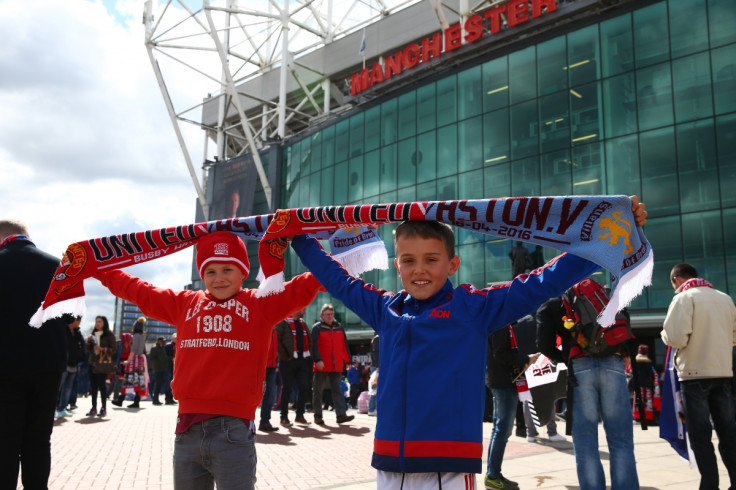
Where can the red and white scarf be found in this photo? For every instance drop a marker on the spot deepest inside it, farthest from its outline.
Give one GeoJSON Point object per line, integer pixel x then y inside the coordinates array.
{"type": "Point", "coordinates": [598, 228]}
{"type": "Point", "coordinates": [695, 282]}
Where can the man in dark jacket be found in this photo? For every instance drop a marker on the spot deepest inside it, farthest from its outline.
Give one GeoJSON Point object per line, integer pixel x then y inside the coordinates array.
{"type": "Point", "coordinates": [31, 359]}
{"type": "Point", "coordinates": [330, 352]}
{"type": "Point", "coordinates": [295, 364]}
{"type": "Point", "coordinates": [504, 363]}
{"type": "Point", "coordinates": [159, 365]}
{"type": "Point", "coordinates": [75, 353]}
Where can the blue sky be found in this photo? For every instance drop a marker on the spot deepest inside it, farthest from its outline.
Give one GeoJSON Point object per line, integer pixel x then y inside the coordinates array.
{"type": "Point", "coordinates": [86, 145]}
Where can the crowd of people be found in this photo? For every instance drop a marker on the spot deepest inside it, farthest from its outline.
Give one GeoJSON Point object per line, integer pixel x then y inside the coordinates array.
{"type": "Point", "coordinates": [428, 320]}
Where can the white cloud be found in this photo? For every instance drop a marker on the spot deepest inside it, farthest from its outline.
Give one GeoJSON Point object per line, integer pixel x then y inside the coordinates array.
{"type": "Point", "coordinates": [86, 145]}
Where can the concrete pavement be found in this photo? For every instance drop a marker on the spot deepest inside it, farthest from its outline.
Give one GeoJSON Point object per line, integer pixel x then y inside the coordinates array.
{"type": "Point", "coordinates": [132, 449]}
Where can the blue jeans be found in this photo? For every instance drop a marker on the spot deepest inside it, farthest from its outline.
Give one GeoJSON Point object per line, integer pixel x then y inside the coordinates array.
{"type": "Point", "coordinates": [705, 399]}
{"type": "Point", "coordinates": [269, 395]}
{"type": "Point", "coordinates": [65, 389]}
{"type": "Point", "coordinates": [601, 390]}
{"type": "Point", "coordinates": [505, 401]}
{"type": "Point", "coordinates": [220, 450]}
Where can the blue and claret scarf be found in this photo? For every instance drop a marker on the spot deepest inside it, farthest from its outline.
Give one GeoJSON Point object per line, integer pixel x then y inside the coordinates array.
{"type": "Point", "coordinates": [598, 228]}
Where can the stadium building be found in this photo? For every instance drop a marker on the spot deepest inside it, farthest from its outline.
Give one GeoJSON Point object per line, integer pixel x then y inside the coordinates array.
{"type": "Point", "coordinates": [440, 101]}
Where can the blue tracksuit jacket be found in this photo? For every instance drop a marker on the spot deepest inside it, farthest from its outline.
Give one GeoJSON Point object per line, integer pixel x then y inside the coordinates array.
{"type": "Point", "coordinates": [433, 356]}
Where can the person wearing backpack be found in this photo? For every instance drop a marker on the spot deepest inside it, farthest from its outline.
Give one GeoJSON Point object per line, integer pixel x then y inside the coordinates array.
{"type": "Point", "coordinates": [599, 390]}
{"type": "Point", "coordinates": [701, 325]}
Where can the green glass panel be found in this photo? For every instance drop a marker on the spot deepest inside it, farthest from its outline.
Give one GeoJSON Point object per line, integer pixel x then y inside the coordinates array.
{"type": "Point", "coordinates": [651, 35]}
{"type": "Point", "coordinates": [619, 105]}
{"type": "Point", "coordinates": [471, 185]}
{"type": "Point", "coordinates": [525, 177]}
{"type": "Point", "coordinates": [698, 166]}
{"type": "Point", "coordinates": [302, 189]}
{"type": "Point", "coordinates": [387, 179]}
{"type": "Point", "coordinates": [470, 144]}
{"type": "Point", "coordinates": [659, 172]}
{"type": "Point", "coordinates": [688, 27]}
{"type": "Point", "coordinates": [585, 114]}
{"type": "Point", "coordinates": [587, 169]}
{"type": "Point", "coordinates": [447, 151]}
{"type": "Point", "coordinates": [617, 45]}
{"type": "Point", "coordinates": [654, 89]}
{"type": "Point", "coordinates": [447, 188]}
{"type": "Point", "coordinates": [498, 265]}
{"type": "Point", "coordinates": [314, 194]}
{"type": "Point", "coordinates": [315, 142]}
{"type": "Point", "coordinates": [702, 241]}
{"type": "Point", "coordinates": [407, 115]}
{"type": "Point", "coordinates": [389, 120]}
{"type": "Point", "coordinates": [407, 165]}
{"type": "Point", "coordinates": [552, 65]}
{"type": "Point", "coordinates": [524, 130]}
{"type": "Point", "coordinates": [622, 166]}
{"type": "Point", "coordinates": [497, 181]}
{"type": "Point", "coordinates": [388, 197]}
{"type": "Point", "coordinates": [496, 137]}
{"type": "Point", "coordinates": [342, 139]}
{"type": "Point", "coordinates": [426, 156]}
{"type": "Point", "coordinates": [327, 186]}
{"type": "Point", "coordinates": [427, 191]}
{"type": "Point", "coordinates": [356, 135]}
{"type": "Point", "coordinates": [472, 264]}
{"type": "Point", "coordinates": [341, 183]}
{"type": "Point", "coordinates": [372, 128]}
{"type": "Point", "coordinates": [355, 179]}
{"type": "Point", "coordinates": [724, 78]}
{"type": "Point", "coordinates": [693, 98]}
{"type": "Point", "coordinates": [407, 194]}
{"type": "Point", "coordinates": [328, 146]}
{"type": "Point", "coordinates": [721, 19]}
{"type": "Point", "coordinates": [426, 108]}
{"type": "Point", "coordinates": [726, 141]}
{"type": "Point", "coordinates": [470, 93]}
{"type": "Point", "coordinates": [556, 173]}
{"type": "Point", "coordinates": [306, 149]}
{"type": "Point", "coordinates": [371, 167]}
{"type": "Point", "coordinates": [554, 121]}
{"type": "Point", "coordinates": [495, 84]}
{"type": "Point", "coordinates": [583, 60]}
{"type": "Point", "coordinates": [523, 83]}
{"type": "Point", "coordinates": [446, 100]}
{"type": "Point", "coordinates": [729, 244]}
{"type": "Point", "coordinates": [664, 235]}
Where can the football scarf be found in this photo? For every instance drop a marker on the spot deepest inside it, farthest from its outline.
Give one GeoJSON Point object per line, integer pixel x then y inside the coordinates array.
{"type": "Point", "coordinates": [598, 228]}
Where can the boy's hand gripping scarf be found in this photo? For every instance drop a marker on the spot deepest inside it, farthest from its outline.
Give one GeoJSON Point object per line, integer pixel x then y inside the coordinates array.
{"type": "Point", "coordinates": [598, 228]}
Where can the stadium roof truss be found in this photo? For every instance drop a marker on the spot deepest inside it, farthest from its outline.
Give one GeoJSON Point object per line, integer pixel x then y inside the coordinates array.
{"type": "Point", "coordinates": [271, 69]}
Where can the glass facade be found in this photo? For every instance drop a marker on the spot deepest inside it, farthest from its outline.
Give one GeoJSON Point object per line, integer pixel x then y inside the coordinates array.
{"type": "Point", "coordinates": [643, 103]}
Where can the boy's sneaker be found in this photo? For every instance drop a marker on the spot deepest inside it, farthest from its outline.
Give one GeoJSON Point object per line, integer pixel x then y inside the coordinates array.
{"type": "Point", "coordinates": [557, 438]}
{"type": "Point", "coordinates": [64, 413]}
{"type": "Point", "coordinates": [501, 482]}
{"type": "Point", "coordinates": [91, 413]}
{"type": "Point", "coordinates": [102, 413]}
{"type": "Point", "coordinates": [532, 439]}
{"type": "Point", "coordinates": [57, 415]}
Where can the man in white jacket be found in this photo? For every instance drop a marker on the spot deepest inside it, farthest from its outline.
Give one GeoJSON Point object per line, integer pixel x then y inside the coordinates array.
{"type": "Point", "coordinates": [701, 325]}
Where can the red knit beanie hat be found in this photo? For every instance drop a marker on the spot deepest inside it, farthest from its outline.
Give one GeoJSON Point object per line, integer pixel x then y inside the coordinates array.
{"type": "Point", "coordinates": [222, 247]}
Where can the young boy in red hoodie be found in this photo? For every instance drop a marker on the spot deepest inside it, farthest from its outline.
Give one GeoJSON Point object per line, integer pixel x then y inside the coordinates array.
{"type": "Point", "coordinates": [223, 335]}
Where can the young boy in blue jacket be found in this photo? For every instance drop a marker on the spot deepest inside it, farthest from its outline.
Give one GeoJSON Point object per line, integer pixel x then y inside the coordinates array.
{"type": "Point", "coordinates": [435, 335]}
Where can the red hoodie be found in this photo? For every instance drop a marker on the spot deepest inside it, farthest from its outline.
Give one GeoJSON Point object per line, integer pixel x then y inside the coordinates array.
{"type": "Point", "coordinates": [220, 344]}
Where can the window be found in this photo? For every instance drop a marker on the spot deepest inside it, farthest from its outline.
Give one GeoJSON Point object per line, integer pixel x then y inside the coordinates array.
{"type": "Point", "coordinates": [693, 98]}
{"type": "Point", "coordinates": [698, 167]}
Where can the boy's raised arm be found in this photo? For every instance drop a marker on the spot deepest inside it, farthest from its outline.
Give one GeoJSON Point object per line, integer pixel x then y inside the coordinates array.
{"type": "Point", "coordinates": [363, 299]}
